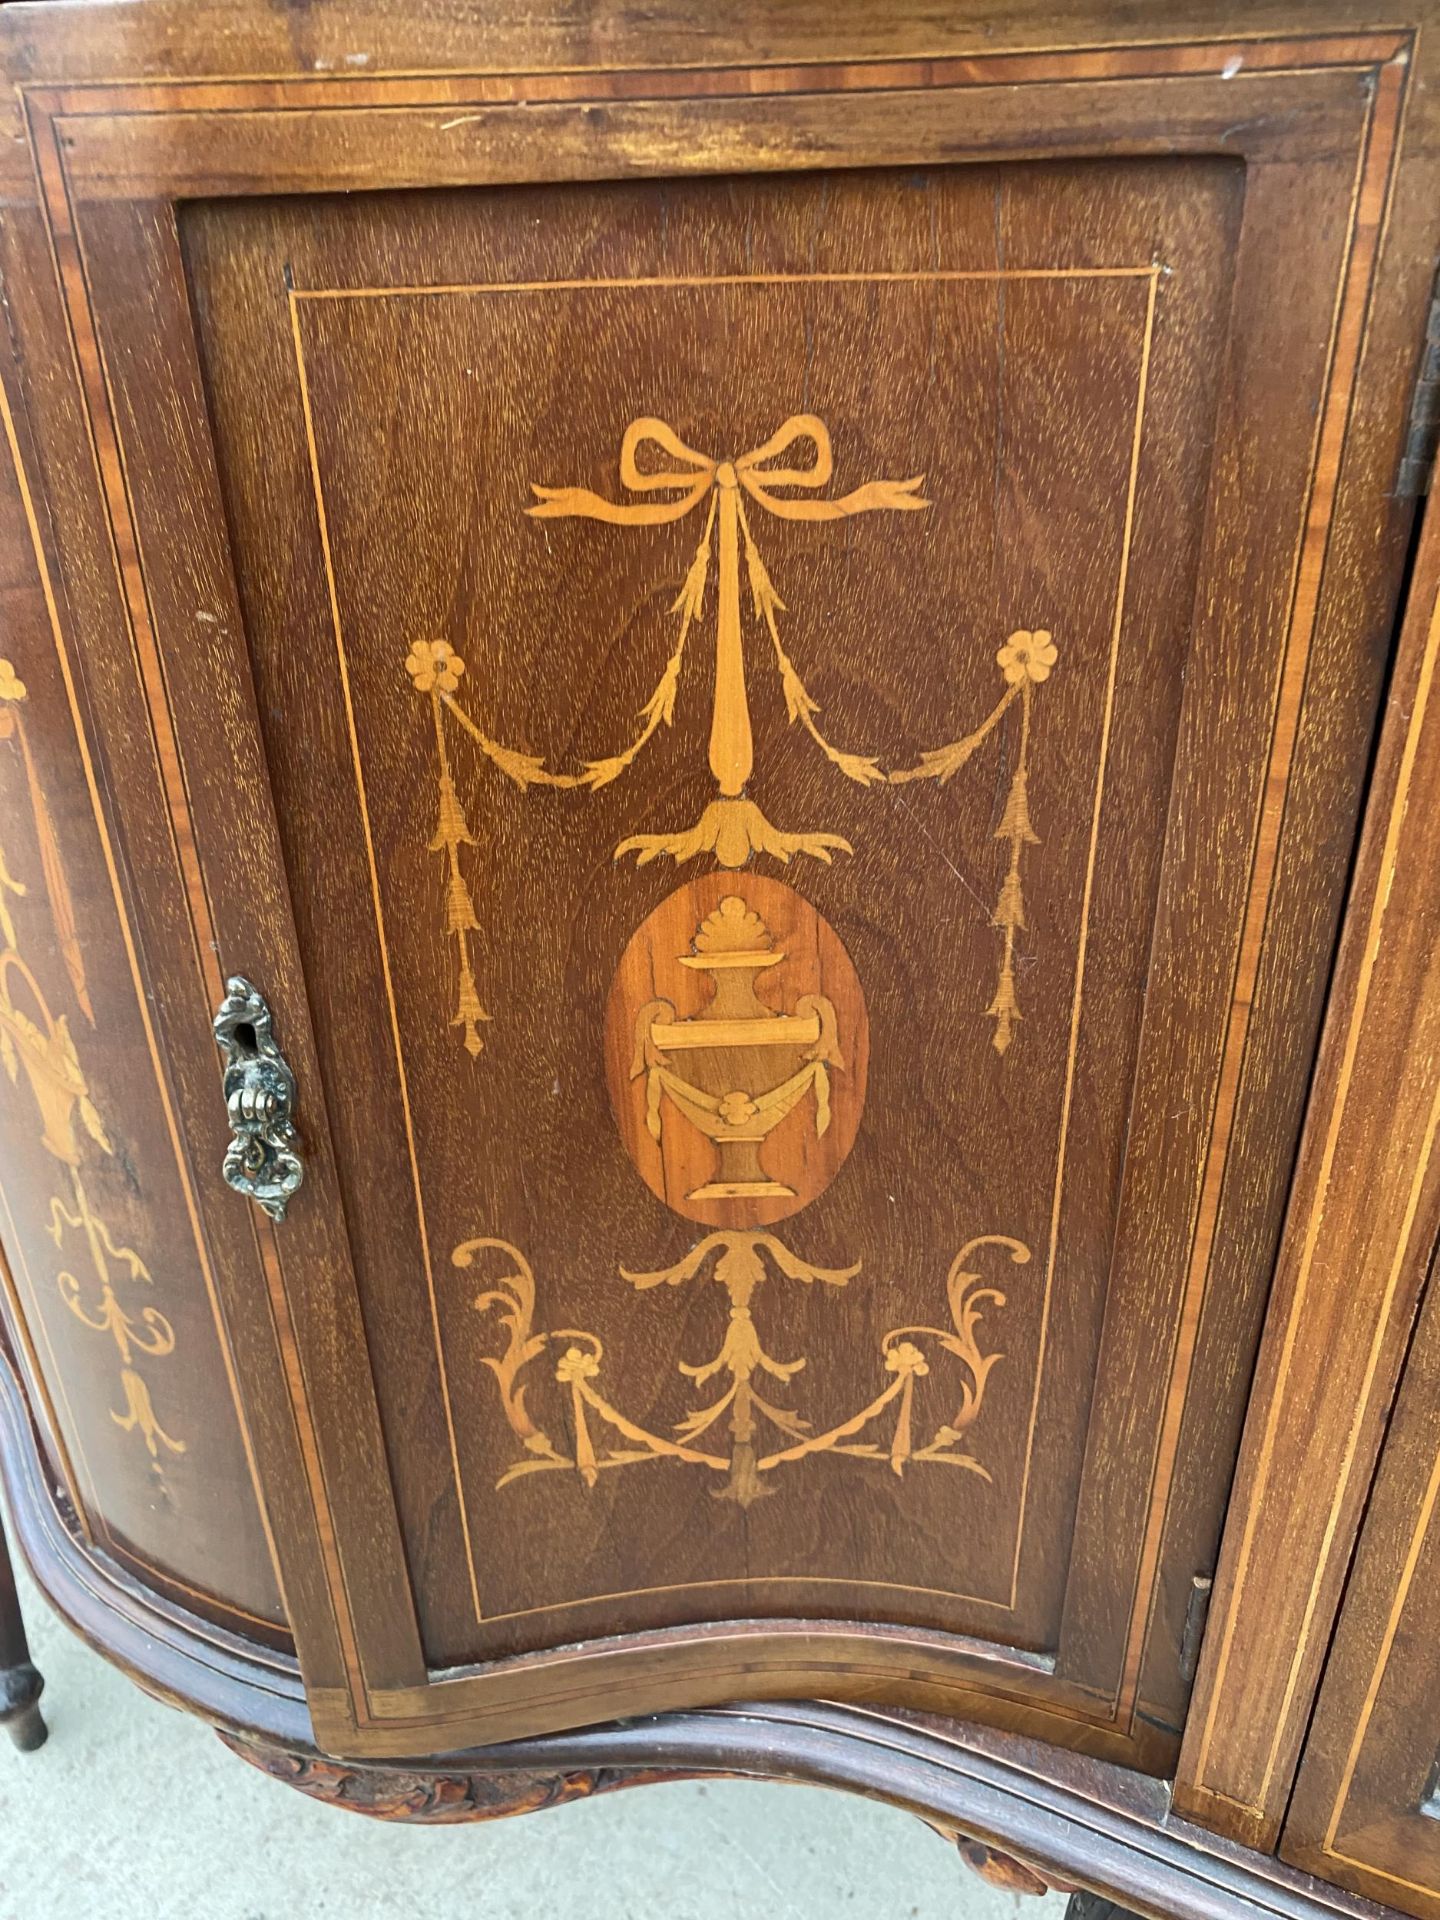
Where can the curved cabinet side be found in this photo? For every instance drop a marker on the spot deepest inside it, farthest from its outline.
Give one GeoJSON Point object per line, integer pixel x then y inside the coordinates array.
{"type": "Point", "coordinates": [104, 1281]}
{"type": "Point", "coordinates": [175, 1655]}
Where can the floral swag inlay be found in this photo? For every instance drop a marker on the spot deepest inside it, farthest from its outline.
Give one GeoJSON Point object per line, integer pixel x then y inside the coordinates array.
{"type": "Point", "coordinates": [732, 828]}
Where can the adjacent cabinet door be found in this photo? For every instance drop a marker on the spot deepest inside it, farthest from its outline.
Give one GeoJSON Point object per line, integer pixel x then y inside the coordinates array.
{"type": "Point", "coordinates": [1366, 1810]}
{"type": "Point", "coordinates": [771, 669]}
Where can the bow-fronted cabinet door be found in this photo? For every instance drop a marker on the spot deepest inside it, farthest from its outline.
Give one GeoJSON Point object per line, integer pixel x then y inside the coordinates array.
{"type": "Point", "coordinates": [765, 646]}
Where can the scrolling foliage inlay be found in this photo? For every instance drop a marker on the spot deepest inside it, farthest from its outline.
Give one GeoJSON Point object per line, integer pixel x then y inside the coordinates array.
{"type": "Point", "coordinates": [728, 1434]}
{"type": "Point", "coordinates": [39, 1043]}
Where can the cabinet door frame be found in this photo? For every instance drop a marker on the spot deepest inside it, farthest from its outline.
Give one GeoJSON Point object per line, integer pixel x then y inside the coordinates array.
{"type": "Point", "coordinates": [1353, 1265]}
{"type": "Point", "coordinates": [97, 335]}
{"type": "Point", "coordinates": [1357, 1304]}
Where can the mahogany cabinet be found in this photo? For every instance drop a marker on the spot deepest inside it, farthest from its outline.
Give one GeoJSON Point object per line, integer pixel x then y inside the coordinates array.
{"type": "Point", "coordinates": [684, 719]}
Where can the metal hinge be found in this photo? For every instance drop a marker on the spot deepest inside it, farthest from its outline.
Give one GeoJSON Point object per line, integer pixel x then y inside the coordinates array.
{"type": "Point", "coordinates": [1197, 1610]}
{"type": "Point", "coordinates": [1422, 437]}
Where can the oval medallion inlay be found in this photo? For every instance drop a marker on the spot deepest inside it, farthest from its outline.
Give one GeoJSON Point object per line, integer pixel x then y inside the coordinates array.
{"type": "Point", "coordinates": [736, 1048]}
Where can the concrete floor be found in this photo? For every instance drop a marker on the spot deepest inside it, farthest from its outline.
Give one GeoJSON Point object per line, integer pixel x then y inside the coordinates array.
{"type": "Point", "coordinates": [132, 1810]}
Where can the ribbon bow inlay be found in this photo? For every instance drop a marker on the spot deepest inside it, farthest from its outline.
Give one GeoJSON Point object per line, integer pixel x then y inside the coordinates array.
{"type": "Point", "coordinates": [726, 484]}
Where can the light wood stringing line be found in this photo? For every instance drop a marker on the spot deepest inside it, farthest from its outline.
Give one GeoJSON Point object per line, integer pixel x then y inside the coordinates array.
{"type": "Point", "coordinates": [652, 282]}
{"type": "Point", "coordinates": [1261, 52]}
{"type": "Point", "coordinates": [323, 523]}
{"type": "Point", "coordinates": [1316, 1218]}
{"type": "Point", "coordinates": [1151, 273]}
{"type": "Point", "coordinates": [1072, 1051]}
{"type": "Point", "coordinates": [1387, 1643]}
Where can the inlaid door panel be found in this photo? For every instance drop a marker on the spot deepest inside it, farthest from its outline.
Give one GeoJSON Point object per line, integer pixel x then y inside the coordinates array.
{"type": "Point", "coordinates": [809, 735]}
{"type": "Point", "coordinates": [792, 577]}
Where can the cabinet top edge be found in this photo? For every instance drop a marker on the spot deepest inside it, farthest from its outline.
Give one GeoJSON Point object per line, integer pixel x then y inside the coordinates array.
{"type": "Point", "coordinates": [111, 42]}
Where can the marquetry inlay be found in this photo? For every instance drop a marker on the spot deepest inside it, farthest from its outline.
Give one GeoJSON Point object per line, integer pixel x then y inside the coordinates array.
{"type": "Point", "coordinates": [736, 1049]}
{"type": "Point", "coordinates": [97, 1275]}
{"type": "Point", "coordinates": [929, 1387]}
{"type": "Point", "coordinates": [733, 829]}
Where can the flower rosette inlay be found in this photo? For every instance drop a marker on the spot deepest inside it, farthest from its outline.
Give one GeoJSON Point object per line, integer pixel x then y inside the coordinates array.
{"type": "Point", "coordinates": [1027, 656]}
{"type": "Point", "coordinates": [434, 666]}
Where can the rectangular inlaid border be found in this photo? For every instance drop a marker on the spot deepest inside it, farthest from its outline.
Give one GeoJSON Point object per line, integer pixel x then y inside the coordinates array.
{"type": "Point", "coordinates": [1151, 273]}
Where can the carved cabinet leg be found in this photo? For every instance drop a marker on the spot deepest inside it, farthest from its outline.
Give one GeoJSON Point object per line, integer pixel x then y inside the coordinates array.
{"type": "Point", "coordinates": [1001, 1869]}
{"type": "Point", "coordinates": [20, 1683]}
{"type": "Point", "coordinates": [1094, 1906]}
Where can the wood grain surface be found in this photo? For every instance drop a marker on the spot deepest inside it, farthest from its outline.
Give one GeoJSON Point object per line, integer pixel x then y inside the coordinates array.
{"type": "Point", "coordinates": [1364, 1809]}
{"type": "Point", "coordinates": [563, 627]}
{"type": "Point", "coordinates": [1078, 1818]}
{"type": "Point", "coordinates": [465, 566]}
{"type": "Point", "coordinates": [805, 1149]}
{"type": "Point", "coordinates": [188, 1520]}
{"type": "Point", "coordinates": [1355, 1256]}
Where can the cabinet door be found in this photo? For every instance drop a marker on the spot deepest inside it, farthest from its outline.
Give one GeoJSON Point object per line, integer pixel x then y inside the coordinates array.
{"type": "Point", "coordinates": [1365, 1811]}
{"type": "Point", "coordinates": [793, 630]}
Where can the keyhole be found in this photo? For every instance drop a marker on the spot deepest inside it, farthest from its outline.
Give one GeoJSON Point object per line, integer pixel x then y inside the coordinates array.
{"type": "Point", "coordinates": [245, 1038]}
